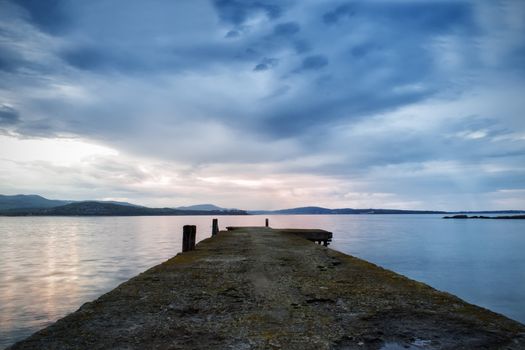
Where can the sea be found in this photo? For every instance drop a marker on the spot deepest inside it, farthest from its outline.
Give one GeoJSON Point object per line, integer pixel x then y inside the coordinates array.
{"type": "Point", "coordinates": [50, 266]}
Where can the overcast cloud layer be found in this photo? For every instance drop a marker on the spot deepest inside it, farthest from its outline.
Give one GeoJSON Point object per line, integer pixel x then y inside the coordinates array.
{"type": "Point", "coordinates": [265, 104]}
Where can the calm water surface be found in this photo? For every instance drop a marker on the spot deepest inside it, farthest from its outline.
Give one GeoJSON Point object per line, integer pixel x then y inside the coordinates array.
{"type": "Point", "coordinates": [49, 266]}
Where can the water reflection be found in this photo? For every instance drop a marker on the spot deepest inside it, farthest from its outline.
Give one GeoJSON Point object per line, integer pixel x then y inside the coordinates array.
{"type": "Point", "coordinates": [51, 266]}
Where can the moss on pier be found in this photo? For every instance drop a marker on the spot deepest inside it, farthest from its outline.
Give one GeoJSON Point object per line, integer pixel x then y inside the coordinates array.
{"type": "Point", "coordinates": [262, 289]}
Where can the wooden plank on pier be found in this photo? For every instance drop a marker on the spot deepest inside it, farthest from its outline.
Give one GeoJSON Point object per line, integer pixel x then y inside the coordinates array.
{"type": "Point", "coordinates": [258, 288]}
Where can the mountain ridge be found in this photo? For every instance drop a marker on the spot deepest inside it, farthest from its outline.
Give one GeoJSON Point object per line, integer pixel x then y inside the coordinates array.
{"type": "Point", "coordinates": [34, 201]}
{"type": "Point", "coordinates": [313, 210]}
{"type": "Point", "coordinates": [206, 207]}
{"type": "Point", "coordinates": [28, 201]}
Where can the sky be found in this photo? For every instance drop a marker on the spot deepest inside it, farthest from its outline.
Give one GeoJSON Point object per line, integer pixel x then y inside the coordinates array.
{"type": "Point", "coordinates": [265, 104]}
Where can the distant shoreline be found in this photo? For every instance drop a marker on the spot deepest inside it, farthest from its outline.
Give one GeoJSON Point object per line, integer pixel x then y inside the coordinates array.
{"type": "Point", "coordinates": [35, 205]}
{"type": "Point", "coordinates": [222, 213]}
{"type": "Point", "coordinates": [92, 208]}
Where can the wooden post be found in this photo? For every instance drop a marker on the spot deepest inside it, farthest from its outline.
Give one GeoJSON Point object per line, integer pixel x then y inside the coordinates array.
{"type": "Point", "coordinates": [267, 223]}
{"type": "Point", "coordinates": [188, 237]}
{"type": "Point", "coordinates": [193, 237]}
{"type": "Point", "coordinates": [215, 227]}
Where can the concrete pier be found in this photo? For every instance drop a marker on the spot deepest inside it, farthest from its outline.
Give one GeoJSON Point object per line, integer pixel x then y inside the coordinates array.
{"type": "Point", "coordinates": [314, 235]}
{"type": "Point", "coordinates": [262, 288]}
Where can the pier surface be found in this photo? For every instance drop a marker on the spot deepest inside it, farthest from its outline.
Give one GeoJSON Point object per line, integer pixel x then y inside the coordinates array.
{"type": "Point", "coordinates": [259, 288]}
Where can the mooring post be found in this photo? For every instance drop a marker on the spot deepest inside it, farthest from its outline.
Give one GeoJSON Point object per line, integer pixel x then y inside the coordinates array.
{"type": "Point", "coordinates": [193, 237]}
{"type": "Point", "coordinates": [188, 237]}
{"type": "Point", "coordinates": [267, 223]}
{"type": "Point", "coordinates": [215, 227]}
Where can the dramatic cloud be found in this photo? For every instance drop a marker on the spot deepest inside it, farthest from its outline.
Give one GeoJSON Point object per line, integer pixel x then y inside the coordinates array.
{"type": "Point", "coordinates": [265, 104]}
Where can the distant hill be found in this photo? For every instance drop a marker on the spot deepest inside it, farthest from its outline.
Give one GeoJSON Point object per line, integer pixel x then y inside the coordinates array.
{"type": "Point", "coordinates": [326, 211]}
{"type": "Point", "coordinates": [294, 211]}
{"type": "Point", "coordinates": [28, 201]}
{"type": "Point", "coordinates": [91, 208]}
{"type": "Point", "coordinates": [22, 201]}
{"type": "Point", "coordinates": [206, 207]}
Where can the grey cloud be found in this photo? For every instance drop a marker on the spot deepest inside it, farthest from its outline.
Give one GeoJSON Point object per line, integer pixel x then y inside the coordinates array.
{"type": "Point", "coordinates": [238, 11]}
{"type": "Point", "coordinates": [261, 67]}
{"type": "Point", "coordinates": [301, 46]}
{"type": "Point", "coordinates": [308, 115]}
{"type": "Point", "coordinates": [51, 16]}
{"type": "Point", "coordinates": [8, 116]}
{"type": "Point", "coordinates": [345, 91]}
{"type": "Point", "coordinates": [429, 17]}
{"type": "Point", "coordinates": [266, 63]}
{"type": "Point", "coordinates": [364, 49]}
{"type": "Point", "coordinates": [314, 62]}
{"type": "Point", "coordinates": [333, 16]}
{"type": "Point", "coordinates": [286, 29]}
{"type": "Point", "coordinates": [127, 59]}
{"type": "Point", "coordinates": [41, 128]}
{"type": "Point", "coordinates": [233, 34]}
{"type": "Point", "coordinates": [9, 60]}
{"type": "Point", "coordinates": [97, 41]}
{"type": "Point", "coordinates": [93, 58]}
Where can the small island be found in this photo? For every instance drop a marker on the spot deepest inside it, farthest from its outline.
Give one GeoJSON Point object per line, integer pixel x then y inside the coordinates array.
{"type": "Point", "coordinates": [463, 216]}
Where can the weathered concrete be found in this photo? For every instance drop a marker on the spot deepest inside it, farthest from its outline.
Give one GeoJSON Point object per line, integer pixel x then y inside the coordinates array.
{"type": "Point", "coordinates": [258, 288]}
{"type": "Point", "coordinates": [314, 235]}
